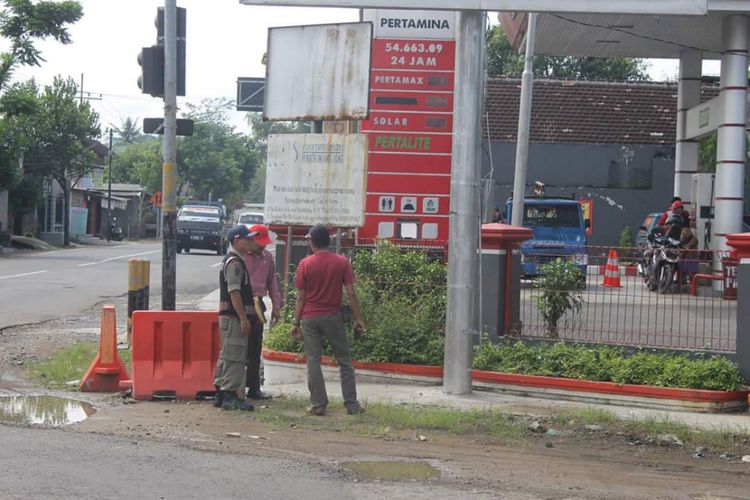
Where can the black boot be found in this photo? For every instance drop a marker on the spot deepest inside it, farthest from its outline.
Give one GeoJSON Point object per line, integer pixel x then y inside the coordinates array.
{"type": "Point", "coordinates": [219, 397]}
{"type": "Point", "coordinates": [232, 402]}
{"type": "Point", "coordinates": [258, 394]}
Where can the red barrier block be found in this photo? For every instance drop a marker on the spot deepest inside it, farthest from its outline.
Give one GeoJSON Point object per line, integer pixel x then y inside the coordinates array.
{"type": "Point", "coordinates": [174, 353]}
{"type": "Point", "coordinates": [107, 370]}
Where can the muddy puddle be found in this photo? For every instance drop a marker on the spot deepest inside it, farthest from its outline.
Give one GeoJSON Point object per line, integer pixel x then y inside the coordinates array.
{"type": "Point", "coordinates": [392, 470]}
{"type": "Point", "coordinates": [49, 411]}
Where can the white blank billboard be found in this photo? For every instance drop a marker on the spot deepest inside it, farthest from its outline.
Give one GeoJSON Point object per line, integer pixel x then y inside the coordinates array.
{"type": "Point", "coordinates": [319, 72]}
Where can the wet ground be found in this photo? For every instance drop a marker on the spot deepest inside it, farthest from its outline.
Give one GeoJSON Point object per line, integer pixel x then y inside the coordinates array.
{"type": "Point", "coordinates": [49, 411]}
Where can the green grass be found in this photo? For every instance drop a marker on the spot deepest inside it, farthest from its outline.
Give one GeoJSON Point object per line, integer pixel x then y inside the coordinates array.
{"type": "Point", "coordinates": [67, 364]}
{"type": "Point", "coordinates": [408, 421]}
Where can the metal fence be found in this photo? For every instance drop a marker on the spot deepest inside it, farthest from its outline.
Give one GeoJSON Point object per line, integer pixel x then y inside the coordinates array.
{"type": "Point", "coordinates": [627, 313]}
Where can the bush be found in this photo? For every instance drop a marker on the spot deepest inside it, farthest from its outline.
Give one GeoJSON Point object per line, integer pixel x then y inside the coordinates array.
{"type": "Point", "coordinates": [402, 296]}
{"type": "Point", "coordinates": [608, 364]}
{"type": "Point", "coordinates": [561, 283]}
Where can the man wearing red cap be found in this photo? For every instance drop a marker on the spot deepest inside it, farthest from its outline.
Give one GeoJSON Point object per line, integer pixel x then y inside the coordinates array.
{"type": "Point", "coordinates": [262, 270]}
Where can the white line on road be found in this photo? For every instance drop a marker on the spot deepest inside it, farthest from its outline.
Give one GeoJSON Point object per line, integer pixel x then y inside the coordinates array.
{"type": "Point", "coordinates": [118, 257]}
{"type": "Point", "coordinates": [21, 275]}
{"type": "Point", "coordinates": [216, 265]}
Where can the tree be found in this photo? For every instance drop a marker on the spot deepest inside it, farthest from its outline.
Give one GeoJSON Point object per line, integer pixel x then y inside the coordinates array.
{"type": "Point", "coordinates": [139, 163]}
{"type": "Point", "coordinates": [22, 23]}
{"type": "Point", "coordinates": [128, 133]}
{"type": "Point", "coordinates": [216, 162]}
{"type": "Point", "coordinates": [504, 60]}
{"type": "Point", "coordinates": [60, 136]}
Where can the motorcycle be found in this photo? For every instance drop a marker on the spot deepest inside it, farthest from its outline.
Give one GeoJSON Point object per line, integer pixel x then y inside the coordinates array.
{"type": "Point", "coordinates": [115, 231]}
{"type": "Point", "coordinates": [660, 259]}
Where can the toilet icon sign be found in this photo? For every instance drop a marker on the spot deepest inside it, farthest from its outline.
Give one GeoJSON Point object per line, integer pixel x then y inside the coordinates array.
{"type": "Point", "coordinates": [430, 205]}
{"type": "Point", "coordinates": [387, 204]}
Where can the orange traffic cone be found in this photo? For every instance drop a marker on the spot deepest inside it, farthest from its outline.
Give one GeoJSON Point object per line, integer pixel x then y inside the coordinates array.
{"type": "Point", "coordinates": [612, 271]}
{"type": "Point", "coordinates": [107, 370]}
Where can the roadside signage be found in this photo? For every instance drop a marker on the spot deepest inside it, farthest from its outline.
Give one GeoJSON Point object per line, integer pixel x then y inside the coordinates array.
{"type": "Point", "coordinates": [250, 93]}
{"type": "Point", "coordinates": [410, 126]}
{"type": "Point", "coordinates": [316, 179]}
{"type": "Point", "coordinates": [319, 72]}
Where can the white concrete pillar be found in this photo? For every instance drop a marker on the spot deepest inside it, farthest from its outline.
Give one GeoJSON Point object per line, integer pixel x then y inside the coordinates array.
{"type": "Point", "coordinates": [731, 140]}
{"type": "Point", "coordinates": [686, 150]}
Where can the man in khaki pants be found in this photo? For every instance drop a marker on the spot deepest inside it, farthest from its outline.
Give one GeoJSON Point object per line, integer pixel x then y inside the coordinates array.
{"type": "Point", "coordinates": [320, 281]}
{"type": "Point", "coordinates": [236, 317]}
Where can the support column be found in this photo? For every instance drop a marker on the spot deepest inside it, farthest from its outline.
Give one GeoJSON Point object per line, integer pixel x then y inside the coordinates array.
{"type": "Point", "coordinates": [731, 140]}
{"type": "Point", "coordinates": [686, 150]}
{"type": "Point", "coordinates": [463, 244]}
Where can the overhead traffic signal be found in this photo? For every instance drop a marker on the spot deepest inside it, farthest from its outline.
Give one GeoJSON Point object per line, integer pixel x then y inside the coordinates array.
{"type": "Point", "coordinates": [151, 58]}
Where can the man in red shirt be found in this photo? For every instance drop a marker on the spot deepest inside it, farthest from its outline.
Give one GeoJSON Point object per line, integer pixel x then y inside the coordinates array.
{"type": "Point", "coordinates": [320, 280]}
{"type": "Point", "coordinates": [262, 271]}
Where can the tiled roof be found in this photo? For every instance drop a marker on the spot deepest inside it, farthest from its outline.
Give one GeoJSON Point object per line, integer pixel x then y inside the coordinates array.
{"type": "Point", "coordinates": [587, 112]}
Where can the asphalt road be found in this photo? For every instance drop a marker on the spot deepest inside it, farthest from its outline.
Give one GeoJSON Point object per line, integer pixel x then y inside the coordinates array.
{"type": "Point", "coordinates": [40, 286]}
{"type": "Point", "coordinates": [57, 464]}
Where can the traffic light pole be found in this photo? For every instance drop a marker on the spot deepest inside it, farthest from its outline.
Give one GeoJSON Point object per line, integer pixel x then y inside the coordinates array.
{"type": "Point", "coordinates": [169, 174]}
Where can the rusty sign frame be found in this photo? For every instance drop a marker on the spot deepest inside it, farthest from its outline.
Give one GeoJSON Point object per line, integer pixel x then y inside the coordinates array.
{"type": "Point", "coordinates": [327, 80]}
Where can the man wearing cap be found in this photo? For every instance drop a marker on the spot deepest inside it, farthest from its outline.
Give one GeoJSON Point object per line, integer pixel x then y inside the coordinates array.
{"type": "Point", "coordinates": [262, 271]}
{"type": "Point", "coordinates": [321, 278]}
{"type": "Point", "coordinates": [236, 320]}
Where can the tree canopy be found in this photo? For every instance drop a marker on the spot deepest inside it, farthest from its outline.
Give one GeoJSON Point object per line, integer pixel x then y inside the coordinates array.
{"type": "Point", "coordinates": [504, 60]}
{"type": "Point", "coordinates": [22, 24]}
{"type": "Point", "coordinates": [60, 137]}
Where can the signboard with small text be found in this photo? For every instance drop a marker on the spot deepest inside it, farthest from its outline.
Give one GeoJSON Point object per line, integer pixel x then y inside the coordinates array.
{"type": "Point", "coordinates": [316, 179]}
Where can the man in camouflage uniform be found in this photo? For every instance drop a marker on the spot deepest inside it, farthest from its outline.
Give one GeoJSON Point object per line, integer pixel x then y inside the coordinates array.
{"type": "Point", "coordinates": [236, 314]}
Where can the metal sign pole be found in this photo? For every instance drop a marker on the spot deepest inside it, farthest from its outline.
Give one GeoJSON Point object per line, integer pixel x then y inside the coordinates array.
{"type": "Point", "coordinates": [524, 123]}
{"type": "Point", "coordinates": [169, 169]}
{"type": "Point", "coordinates": [463, 258]}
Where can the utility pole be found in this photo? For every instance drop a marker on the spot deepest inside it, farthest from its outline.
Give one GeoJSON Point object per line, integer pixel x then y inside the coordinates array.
{"type": "Point", "coordinates": [463, 238]}
{"type": "Point", "coordinates": [524, 123]}
{"type": "Point", "coordinates": [109, 190]}
{"type": "Point", "coordinates": [169, 174]}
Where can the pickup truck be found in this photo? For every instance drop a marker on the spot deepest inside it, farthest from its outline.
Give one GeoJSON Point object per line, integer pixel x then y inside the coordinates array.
{"type": "Point", "coordinates": [559, 231]}
{"type": "Point", "coordinates": [201, 227]}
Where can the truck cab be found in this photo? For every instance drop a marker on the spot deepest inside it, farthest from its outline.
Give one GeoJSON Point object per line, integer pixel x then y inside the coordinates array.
{"type": "Point", "coordinates": [559, 231]}
{"type": "Point", "coordinates": [201, 227]}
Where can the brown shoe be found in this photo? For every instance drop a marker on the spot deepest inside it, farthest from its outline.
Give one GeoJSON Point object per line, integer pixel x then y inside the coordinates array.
{"type": "Point", "coordinates": [318, 411]}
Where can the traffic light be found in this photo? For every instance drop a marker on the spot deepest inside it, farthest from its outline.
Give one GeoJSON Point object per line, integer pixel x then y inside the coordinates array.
{"type": "Point", "coordinates": [151, 80]}
{"type": "Point", "coordinates": [151, 58]}
{"type": "Point", "coordinates": [181, 28]}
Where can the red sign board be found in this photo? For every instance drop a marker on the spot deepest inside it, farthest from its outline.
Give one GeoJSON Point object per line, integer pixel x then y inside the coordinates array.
{"type": "Point", "coordinates": [410, 127]}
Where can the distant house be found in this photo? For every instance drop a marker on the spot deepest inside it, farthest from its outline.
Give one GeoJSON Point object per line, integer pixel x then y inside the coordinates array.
{"type": "Point", "coordinates": [611, 143]}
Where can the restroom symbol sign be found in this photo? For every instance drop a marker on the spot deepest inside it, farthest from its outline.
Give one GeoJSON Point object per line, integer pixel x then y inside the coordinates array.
{"type": "Point", "coordinates": [408, 205]}
{"type": "Point", "coordinates": [430, 205]}
{"type": "Point", "coordinates": [387, 204]}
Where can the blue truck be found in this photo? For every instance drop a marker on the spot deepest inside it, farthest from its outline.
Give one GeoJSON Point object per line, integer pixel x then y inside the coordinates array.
{"type": "Point", "coordinates": [559, 232]}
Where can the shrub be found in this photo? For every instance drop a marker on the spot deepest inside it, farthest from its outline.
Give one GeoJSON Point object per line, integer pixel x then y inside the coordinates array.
{"type": "Point", "coordinates": [561, 283]}
{"type": "Point", "coordinates": [608, 364]}
{"type": "Point", "coordinates": [402, 296]}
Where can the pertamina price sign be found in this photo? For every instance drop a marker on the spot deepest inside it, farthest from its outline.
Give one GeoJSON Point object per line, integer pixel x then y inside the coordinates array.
{"type": "Point", "coordinates": [410, 126]}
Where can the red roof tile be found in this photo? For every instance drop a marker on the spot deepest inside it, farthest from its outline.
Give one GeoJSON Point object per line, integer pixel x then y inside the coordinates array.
{"type": "Point", "coordinates": [587, 112]}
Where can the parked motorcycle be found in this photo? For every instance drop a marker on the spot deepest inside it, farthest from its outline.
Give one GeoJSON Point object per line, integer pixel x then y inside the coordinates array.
{"type": "Point", "coordinates": [115, 231]}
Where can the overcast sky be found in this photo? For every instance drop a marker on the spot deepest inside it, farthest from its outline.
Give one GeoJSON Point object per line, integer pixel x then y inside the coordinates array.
{"type": "Point", "coordinates": [225, 40]}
